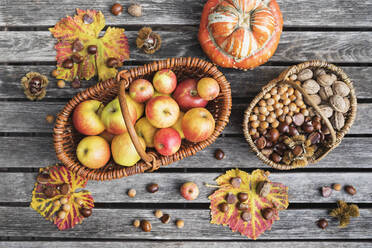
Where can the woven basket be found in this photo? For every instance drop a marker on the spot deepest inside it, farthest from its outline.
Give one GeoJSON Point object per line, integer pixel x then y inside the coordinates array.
{"type": "Point", "coordinates": [66, 137]}
{"type": "Point", "coordinates": [284, 78]}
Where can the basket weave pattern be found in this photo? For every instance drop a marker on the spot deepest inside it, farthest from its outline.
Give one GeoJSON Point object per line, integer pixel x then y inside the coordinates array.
{"type": "Point", "coordinates": [66, 137]}
{"type": "Point", "coordinates": [284, 76]}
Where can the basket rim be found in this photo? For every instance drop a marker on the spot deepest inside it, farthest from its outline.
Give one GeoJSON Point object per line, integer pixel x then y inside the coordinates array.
{"type": "Point", "coordinates": [284, 76]}
{"type": "Point", "coordinates": [63, 118]}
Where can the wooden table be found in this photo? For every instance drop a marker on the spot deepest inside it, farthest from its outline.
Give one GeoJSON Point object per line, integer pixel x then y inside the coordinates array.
{"type": "Point", "coordinates": [339, 31]}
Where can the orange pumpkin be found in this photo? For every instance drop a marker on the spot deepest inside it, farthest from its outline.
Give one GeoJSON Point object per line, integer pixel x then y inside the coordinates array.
{"type": "Point", "coordinates": [240, 33]}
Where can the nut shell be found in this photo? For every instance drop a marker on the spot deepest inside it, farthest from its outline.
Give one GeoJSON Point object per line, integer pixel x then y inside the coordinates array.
{"type": "Point", "coordinates": [338, 103]}
{"type": "Point", "coordinates": [315, 99]}
{"type": "Point", "coordinates": [135, 10]}
{"type": "Point", "coordinates": [305, 75]}
{"type": "Point", "coordinates": [325, 80]}
{"type": "Point", "coordinates": [340, 88]}
{"type": "Point", "coordinates": [326, 110]}
{"type": "Point", "coordinates": [319, 71]}
{"type": "Point", "coordinates": [338, 120]}
{"type": "Point", "coordinates": [311, 86]}
{"type": "Point", "coordinates": [325, 93]}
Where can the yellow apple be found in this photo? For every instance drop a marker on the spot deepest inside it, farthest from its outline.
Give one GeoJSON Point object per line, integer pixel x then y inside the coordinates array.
{"type": "Point", "coordinates": [178, 125]}
{"type": "Point", "coordinates": [162, 111]}
{"type": "Point", "coordinates": [198, 124]}
{"type": "Point", "coordinates": [113, 119]}
{"type": "Point", "coordinates": [140, 107]}
{"type": "Point", "coordinates": [146, 131]}
{"type": "Point", "coordinates": [156, 93]}
{"type": "Point", "coordinates": [123, 150]}
{"type": "Point", "coordinates": [86, 117]}
{"type": "Point", "coordinates": [93, 152]}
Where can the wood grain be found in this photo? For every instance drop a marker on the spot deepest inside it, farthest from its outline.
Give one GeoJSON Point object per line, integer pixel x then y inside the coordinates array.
{"type": "Point", "coordinates": [352, 47]}
{"type": "Point", "coordinates": [312, 13]}
{"type": "Point", "coordinates": [30, 117]}
{"type": "Point", "coordinates": [35, 152]}
{"type": "Point", "coordinates": [303, 187]}
{"type": "Point", "coordinates": [243, 84]}
{"type": "Point", "coordinates": [117, 224]}
{"type": "Point", "coordinates": [182, 244]}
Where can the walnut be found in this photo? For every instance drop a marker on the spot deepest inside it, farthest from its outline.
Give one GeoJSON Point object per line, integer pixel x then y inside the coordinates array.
{"type": "Point", "coordinates": [315, 99]}
{"type": "Point", "coordinates": [305, 75]}
{"type": "Point", "coordinates": [334, 77]}
{"type": "Point", "coordinates": [135, 10]}
{"type": "Point", "coordinates": [340, 88]}
{"type": "Point", "coordinates": [325, 93]}
{"type": "Point", "coordinates": [338, 120]}
{"type": "Point", "coordinates": [326, 110]}
{"type": "Point", "coordinates": [347, 102]}
{"type": "Point", "coordinates": [319, 71]}
{"type": "Point", "coordinates": [311, 86]}
{"type": "Point", "coordinates": [293, 77]}
{"type": "Point", "coordinates": [325, 80]}
{"type": "Point", "coordinates": [338, 103]}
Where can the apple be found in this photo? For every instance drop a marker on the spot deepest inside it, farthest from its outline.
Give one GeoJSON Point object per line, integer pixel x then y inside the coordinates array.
{"type": "Point", "coordinates": [113, 119]}
{"type": "Point", "coordinates": [107, 136]}
{"type": "Point", "coordinates": [178, 125]}
{"type": "Point", "coordinates": [162, 111]}
{"type": "Point", "coordinates": [197, 124]}
{"type": "Point", "coordinates": [156, 93]}
{"type": "Point", "coordinates": [189, 191]}
{"type": "Point", "coordinates": [93, 152]}
{"type": "Point", "coordinates": [145, 130]}
{"type": "Point", "coordinates": [140, 107]}
{"type": "Point", "coordinates": [165, 81]}
{"type": "Point", "coordinates": [141, 90]}
{"type": "Point", "coordinates": [123, 150]}
{"type": "Point", "coordinates": [86, 118]}
{"type": "Point", "coordinates": [186, 95]}
{"type": "Point", "coordinates": [208, 88]}
{"type": "Point", "coordinates": [167, 141]}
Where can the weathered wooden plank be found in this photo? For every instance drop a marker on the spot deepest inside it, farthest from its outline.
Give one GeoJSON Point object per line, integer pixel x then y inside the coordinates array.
{"type": "Point", "coordinates": [30, 117]}
{"type": "Point", "coordinates": [243, 84]}
{"type": "Point", "coordinates": [303, 187]}
{"type": "Point", "coordinates": [34, 152]}
{"type": "Point", "coordinates": [302, 13]}
{"type": "Point", "coordinates": [183, 244]}
{"type": "Point", "coordinates": [22, 46]}
{"type": "Point", "coordinates": [117, 223]}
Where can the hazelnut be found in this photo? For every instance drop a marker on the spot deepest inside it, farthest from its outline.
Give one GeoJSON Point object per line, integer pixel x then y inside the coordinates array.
{"type": "Point", "coordinates": [340, 88]}
{"type": "Point", "coordinates": [135, 10]}
{"type": "Point", "coordinates": [132, 193]}
{"type": "Point", "coordinates": [305, 75]}
{"type": "Point", "coordinates": [66, 207]}
{"type": "Point", "coordinates": [63, 200]}
{"type": "Point", "coordinates": [136, 223]}
{"type": "Point", "coordinates": [62, 214]}
{"type": "Point", "coordinates": [61, 84]}
{"type": "Point", "coordinates": [56, 203]}
{"type": "Point", "coordinates": [49, 119]}
{"type": "Point", "coordinates": [311, 86]}
{"type": "Point", "coordinates": [325, 80]}
{"type": "Point", "coordinates": [158, 213]}
{"type": "Point", "coordinates": [325, 93]}
{"type": "Point", "coordinates": [338, 103]}
{"type": "Point", "coordinates": [180, 223]}
{"type": "Point", "coordinates": [336, 186]}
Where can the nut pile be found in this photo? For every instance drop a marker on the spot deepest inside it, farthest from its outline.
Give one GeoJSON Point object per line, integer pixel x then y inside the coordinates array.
{"type": "Point", "coordinates": [328, 92]}
{"type": "Point", "coordinates": [284, 129]}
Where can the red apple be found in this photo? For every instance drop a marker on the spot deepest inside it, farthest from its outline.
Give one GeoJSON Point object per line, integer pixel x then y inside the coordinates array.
{"type": "Point", "coordinates": [141, 90]}
{"type": "Point", "coordinates": [167, 141]}
{"type": "Point", "coordinates": [162, 111]}
{"type": "Point", "coordinates": [198, 124]}
{"type": "Point", "coordinates": [93, 152]}
{"type": "Point", "coordinates": [86, 118]}
{"type": "Point", "coordinates": [186, 95]}
{"type": "Point", "coordinates": [189, 191]}
{"type": "Point", "coordinates": [165, 81]}
{"type": "Point", "coordinates": [208, 88]}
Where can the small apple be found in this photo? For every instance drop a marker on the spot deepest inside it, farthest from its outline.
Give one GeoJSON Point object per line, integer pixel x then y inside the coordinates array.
{"type": "Point", "coordinates": [86, 118]}
{"type": "Point", "coordinates": [156, 93]}
{"type": "Point", "coordinates": [140, 107]}
{"type": "Point", "coordinates": [198, 124]}
{"type": "Point", "coordinates": [123, 150]}
{"type": "Point", "coordinates": [141, 90]}
{"type": "Point", "coordinates": [162, 111]}
{"type": "Point", "coordinates": [113, 119]}
{"type": "Point", "coordinates": [208, 88]}
{"type": "Point", "coordinates": [93, 152]}
{"type": "Point", "coordinates": [186, 95]}
{"type": "Point", "coordinates": [189, 191]}
{"type": "Point", "coordinates": [107, 136]}
{"type": "Point", "coordinates": [167, 141]}
{"type": "Point", "coordinates": [145, 130]}
{"type": "Point", "coordinates": [165, 81]}
{"type": "Point", "coordinates": [178, 125]}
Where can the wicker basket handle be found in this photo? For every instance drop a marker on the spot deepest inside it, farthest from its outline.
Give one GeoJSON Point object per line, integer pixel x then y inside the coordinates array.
{"type": "Point", "coordinates": [127, 119]}
{"type": "Point", "coordinates": [306, 96]}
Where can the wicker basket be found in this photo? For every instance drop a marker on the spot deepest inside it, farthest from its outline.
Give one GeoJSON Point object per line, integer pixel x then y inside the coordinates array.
{"type": "Point", "coordinates": [284, 78]}
{"type": "Point", "coordinates": [66, 137]}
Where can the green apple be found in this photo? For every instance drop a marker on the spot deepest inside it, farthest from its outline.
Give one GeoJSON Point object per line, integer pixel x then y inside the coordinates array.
{"type": "Point", "coordinates": [123, 150]}
{"type": "Point", "coordinates": [178, 125]}
{"type": "Point", "coordinates": [146, 131]}
{"type": "Point", "coordinates": [113, 119]}
{"type": "Point", "coordinates": [93, 152]}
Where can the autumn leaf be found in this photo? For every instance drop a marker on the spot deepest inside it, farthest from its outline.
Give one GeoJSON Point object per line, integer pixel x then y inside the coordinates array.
{"type": "Point", "coordinates": [46, 206]}
{"type": "Point", "coordinates": [113, 44]}
{"type": "Point", "coordinates": [276, 199]}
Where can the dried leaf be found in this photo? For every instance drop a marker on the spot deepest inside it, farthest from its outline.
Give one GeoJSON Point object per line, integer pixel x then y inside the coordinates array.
{"type": "Point", "coordinates": [114, 44]}
{"type": "Point", "coordinates": [45, 206]}
{"type": "Point", "coordinates": [276, 199]}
